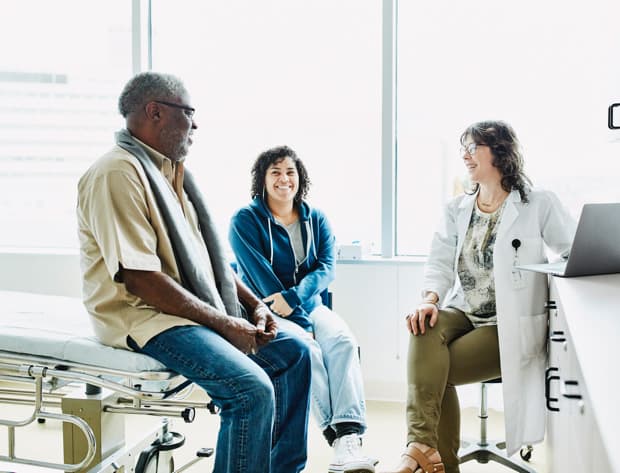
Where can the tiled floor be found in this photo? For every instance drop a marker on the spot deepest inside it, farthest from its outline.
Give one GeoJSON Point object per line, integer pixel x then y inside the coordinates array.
{"type": "Point", "coordinates": [384, 439]}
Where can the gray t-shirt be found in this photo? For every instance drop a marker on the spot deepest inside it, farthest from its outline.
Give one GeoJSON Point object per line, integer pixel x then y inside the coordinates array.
{"type": "Point", "coordinates": [294, 233]}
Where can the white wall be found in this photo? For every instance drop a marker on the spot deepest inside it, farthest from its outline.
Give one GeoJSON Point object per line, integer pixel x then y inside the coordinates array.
{"type": "Point", "coordinates": [373, 297]}
{"type": "Point", "coordinates": [41, 272]}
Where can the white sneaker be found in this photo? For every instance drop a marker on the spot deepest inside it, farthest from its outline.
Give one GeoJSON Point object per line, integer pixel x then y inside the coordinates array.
{"type": "Point", "coordinates": [348, 457]}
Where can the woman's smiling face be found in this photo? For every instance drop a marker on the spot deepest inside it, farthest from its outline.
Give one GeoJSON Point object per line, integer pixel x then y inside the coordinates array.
{"type": "Point", "coordinates": [478, 160]}
{"type": "Point", "coordinates": [282, 181]}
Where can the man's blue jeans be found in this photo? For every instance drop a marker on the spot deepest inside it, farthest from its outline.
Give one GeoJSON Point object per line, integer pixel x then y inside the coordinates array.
{"type": "Point", "coordinates": [264, 398]}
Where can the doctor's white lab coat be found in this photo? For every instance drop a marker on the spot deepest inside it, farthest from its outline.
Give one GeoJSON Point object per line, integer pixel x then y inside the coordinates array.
{"type": "Point", "coordinates": [520, 296]}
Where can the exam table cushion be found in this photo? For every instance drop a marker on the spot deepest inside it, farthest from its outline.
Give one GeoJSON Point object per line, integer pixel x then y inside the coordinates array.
{"type": "Point", "coordinates": [59, 327]}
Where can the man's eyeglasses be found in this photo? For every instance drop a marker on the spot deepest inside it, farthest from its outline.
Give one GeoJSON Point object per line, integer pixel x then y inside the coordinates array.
{"type": "Point", "coordinates": [470, 148]}
{"type": "Point", "coordinates": [189, 111]}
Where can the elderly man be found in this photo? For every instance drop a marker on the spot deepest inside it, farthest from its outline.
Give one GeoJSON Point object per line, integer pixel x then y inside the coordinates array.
{"type": "Point", "coordinates": [156, 281]}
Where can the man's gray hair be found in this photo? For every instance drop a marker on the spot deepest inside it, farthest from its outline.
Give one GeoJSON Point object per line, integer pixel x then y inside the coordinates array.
{"type": "Point", "coordinates": [147, 87]}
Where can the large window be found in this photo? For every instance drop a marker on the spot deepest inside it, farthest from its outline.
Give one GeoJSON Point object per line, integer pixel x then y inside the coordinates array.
{"type": "Point", "coordinates": [62, 65]}
{"type": "Point", "coordinates": [548, 68]}
{"type": "Point", "coordinates": [305, 74]}
{"type": "Point", "coordinates": [308, 74]}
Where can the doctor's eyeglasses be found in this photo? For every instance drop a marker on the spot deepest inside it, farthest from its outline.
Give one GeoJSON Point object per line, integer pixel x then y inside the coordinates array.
{"type": "Point", "coordinates": [470, 149]}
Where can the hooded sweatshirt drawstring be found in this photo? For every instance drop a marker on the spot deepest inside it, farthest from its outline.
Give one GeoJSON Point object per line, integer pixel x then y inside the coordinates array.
{"type": "Point", "coordinates": [311, 232]}
{"type": "Point", "coordinates": [270, 242]}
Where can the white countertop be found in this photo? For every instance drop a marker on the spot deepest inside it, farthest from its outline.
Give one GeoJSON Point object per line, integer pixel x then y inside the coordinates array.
{"type": "Point", "coordinates": [592, 309]}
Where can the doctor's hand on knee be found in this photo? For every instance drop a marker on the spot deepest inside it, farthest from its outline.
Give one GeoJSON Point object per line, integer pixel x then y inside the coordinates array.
{"type": "Point", "coordinates": [416, 320]}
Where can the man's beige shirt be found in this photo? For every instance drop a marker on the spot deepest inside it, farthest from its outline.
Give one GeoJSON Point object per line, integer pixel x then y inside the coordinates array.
{"type": "Point", "coordinates": [120, 224]}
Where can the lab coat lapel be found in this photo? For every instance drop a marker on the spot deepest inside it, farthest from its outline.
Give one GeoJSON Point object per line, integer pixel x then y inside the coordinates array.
{"type": "Point", "coordinates": [509, 214]}
{"type": "Point", "coordinates": [462, 220]}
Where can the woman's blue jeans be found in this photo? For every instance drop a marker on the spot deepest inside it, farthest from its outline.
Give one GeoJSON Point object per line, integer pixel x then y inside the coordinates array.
{"type": "Point", "coordinates": [264, 398]}
{"type": "Point", "coordinates": [337, 384]}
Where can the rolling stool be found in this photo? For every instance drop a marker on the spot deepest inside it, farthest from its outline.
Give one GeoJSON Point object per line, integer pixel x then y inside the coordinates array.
{"type": "Point", "coordinates": [484, 450]}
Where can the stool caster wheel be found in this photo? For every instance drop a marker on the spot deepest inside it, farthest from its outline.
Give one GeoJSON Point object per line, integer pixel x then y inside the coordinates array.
{"type": "Point", "coordinates": [526, 453]}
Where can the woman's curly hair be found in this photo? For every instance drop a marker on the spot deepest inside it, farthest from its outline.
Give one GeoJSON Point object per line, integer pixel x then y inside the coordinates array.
{"type": "Point", "coordinates": [500, 137]}
{"type": "Point", "coordinates": [275, 155]}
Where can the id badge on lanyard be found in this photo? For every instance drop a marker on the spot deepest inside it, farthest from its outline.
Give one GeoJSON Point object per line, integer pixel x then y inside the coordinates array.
{"type": "Point", "coordinates": [518, 278]}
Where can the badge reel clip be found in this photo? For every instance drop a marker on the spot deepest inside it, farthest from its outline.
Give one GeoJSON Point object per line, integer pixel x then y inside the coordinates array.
{"type": "Point", "coordinates": [518, 280]}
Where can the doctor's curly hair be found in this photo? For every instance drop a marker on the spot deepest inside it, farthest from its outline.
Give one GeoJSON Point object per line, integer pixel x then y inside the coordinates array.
{"type": "Point", "coordinates": [501, 138]}
{"type": "Point", "coordinates": [275, 155]}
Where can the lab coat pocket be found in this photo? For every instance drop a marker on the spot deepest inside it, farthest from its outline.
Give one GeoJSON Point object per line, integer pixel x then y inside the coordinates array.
{"type": "Point", "coordinates": [533, 332]}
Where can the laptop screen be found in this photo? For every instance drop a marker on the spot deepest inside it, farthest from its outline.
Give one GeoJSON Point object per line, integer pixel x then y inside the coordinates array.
{"type": "Point", "coordinates": [596, 247]}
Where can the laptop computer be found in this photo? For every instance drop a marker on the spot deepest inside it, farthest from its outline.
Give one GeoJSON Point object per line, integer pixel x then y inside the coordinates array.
{"type": "Point", "coordinates": [596, 247]}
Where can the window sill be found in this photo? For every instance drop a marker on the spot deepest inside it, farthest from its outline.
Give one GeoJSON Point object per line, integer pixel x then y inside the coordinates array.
{"type": "Point", "coordinates": [13, 250]}
{"type": "Point", "coordinates": [378, 260]}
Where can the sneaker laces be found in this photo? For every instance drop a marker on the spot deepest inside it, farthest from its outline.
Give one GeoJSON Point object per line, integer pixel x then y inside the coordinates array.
{"type": "Point", "coordinates": [352, 445]}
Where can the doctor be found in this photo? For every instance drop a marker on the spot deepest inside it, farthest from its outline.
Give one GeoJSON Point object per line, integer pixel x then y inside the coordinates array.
{"type": "Point", "coordinates": [479, 317]}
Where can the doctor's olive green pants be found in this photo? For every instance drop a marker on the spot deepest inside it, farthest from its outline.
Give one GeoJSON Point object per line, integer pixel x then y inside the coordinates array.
{"type": "Point", "coordinates": [450, 354]}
